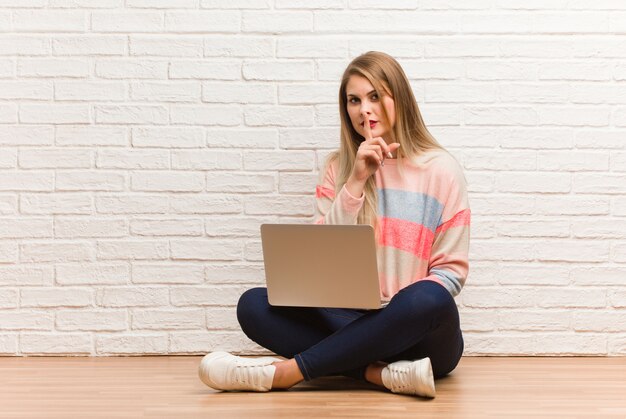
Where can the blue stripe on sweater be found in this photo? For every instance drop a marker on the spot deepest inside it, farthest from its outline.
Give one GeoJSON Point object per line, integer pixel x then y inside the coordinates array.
{"type": "Point", "coordinates": [410, 206]}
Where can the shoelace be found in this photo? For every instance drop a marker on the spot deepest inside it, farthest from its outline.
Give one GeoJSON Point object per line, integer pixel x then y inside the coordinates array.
{"type": "Point", "coordinates": [398, 377]}
{"type": "Point", "coordinates": [248, 374]}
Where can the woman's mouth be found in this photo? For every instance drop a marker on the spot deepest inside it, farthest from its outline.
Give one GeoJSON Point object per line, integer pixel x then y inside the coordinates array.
{"type": "Point", "coordinates": [372, 124]}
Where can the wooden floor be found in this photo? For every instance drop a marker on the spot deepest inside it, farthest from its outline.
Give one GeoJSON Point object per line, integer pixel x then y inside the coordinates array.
{"type": "Point", "coordinates": [168, 387]}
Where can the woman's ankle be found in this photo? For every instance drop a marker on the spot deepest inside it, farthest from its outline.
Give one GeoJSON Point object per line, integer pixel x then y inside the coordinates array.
{"type": "Point", "coordinates": [373, 373]}
{"type": "Point", "coordinates": [286, 375]}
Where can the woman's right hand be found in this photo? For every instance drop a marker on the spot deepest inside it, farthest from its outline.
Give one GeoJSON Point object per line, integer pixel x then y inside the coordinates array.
{"type": "Point", "coordinates": [369, 158]}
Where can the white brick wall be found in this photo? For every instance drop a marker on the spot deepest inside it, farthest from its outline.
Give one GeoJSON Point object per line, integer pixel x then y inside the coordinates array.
{"type": "Point", "coordinates": [142, 143]}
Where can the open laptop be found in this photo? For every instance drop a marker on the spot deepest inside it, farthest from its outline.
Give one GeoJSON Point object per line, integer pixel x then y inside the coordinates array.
{"type": "Point", "coordinates": [321, 265]}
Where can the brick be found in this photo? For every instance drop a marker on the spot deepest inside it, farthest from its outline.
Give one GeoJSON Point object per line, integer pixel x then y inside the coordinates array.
{"type": "Point", "coordinates": [235, 226]}
{"type": "Point", "coordinates": [307, 47]}
{"type": "Point", "coordinates": [475, 115]}
{"type": "Point", "coordinates": [544, 274]}
{"type": "Point", "coordinates": [218, 115]}
{"type": "Point", "coordinates": [52, 67]}
{"type": "Point", "coordinates": [307, 94]}
{"type": "Point", "coordinates": [248, 47]}
{"type": "Point", "coordinates": [91, 320]}
{"type": "Point", "coordinates": [309, 138]}
{"type": "Point", "coordinates": [297, 183]}
{"type": "Point", "coordinates": [132, 249]}
{"type": "Point", "coordinates": [135, 344]}
{"type": "Point", "coordinates": [237, 138]}
{"type": "Point", "coordinates": [204, 249]}
{"type": "Point", "coordinates": [171, 273]}
{"type": "Point", "coordinates": [127, 21]}
{"type": "Point", "coordinates": [133, 159]}
{"type": "Point", "coordinates": [56, 252]}
{"type": "Point", "coordinates": [239, 183]}
{"type": "Point", "coordinates": [285, 116]}
{"type": "Point", "coordinates": [35, 90]}
{"type": "Point", "coordinates": [203, 21]}
{"type": "Point", "coordinates": [8, 298]}
{"type": "Point", "coordinates": [92, 274]}
{"type": "Point", "coordinates": [509, 250]}
{"type": "Point", "coordinates": [206, 160]}
{"type": "Point", "coordinates": [222, 295]}
{"type": "Point", "coordinates": [279, 205]}
{"type": "Point", "coordinates": [235, 4]}
{"type": "Point", "coordinates": [26, 320]}
{"type": "Point", "coordinates": [55, 343]}
{"type": "Point", "coordinates": [534, 182]}
{"type": "Point", "coordinates": [92, 91]}
{"type": "Point", "coordinates": [232, 272]}
{"type": "Point", "coordinates": [131, 204]}
{"type": "Point", "coordinates": [8, 160]}
{"type": "Point", "coordinates": [131, 114]}
{"type": "Point", "coordinates": [206, 204]}
{"type": "Point", "coordinates": [73, 227]}
{"type": "Point", "coordinates": [171, 91]}
{"type": "Point", "coordinates": [93, 180]}
{"type": "Point", "coordinates": [27, 135]}
{"type": "Point", "coordinates": [599, 183]}
{"type": "Point", "coordinates": [248, 93]}
{"type": "Point", "coordinates": [167, 181]}
{"type": "Point", "coordinates": [24, 276]}
{"type": "Point", "coordinates": [167, 319]}
{"type": "Point", "coordinates": [54, 114]}
{"type": "Point", "coordinates": [455, 92]}
{"type": "Point", "coordinates": [8, 204]}
{"type": "Point", "coordinates": [279, 160]}
{"type": "Point", "coordinates": [131, 69]}
{"type": "Point", "coordinates": [166, 227]}
{"type": "Point", "coordinates": [24, 228]}
{"type": "Point", "coordinates": [56, 297]}
{"type": "Point", "coordinates": [572, 251]}
{"type": "Point", "coordinates": [276, 22]}
{"type": "Point", "coordinates": [599, 227]}
{"type": "Point", "coordinates": [534, 228]}
{"type": "Point", "coordinates": [68, 135]}
{"type": "Point", "coordinates": [206, 69]}
{"type": "Point", "coordinates": [8, 344]}
{"type": "Point", "coordinates": [55, 159]}
{"type": "Point", "coordinates": [599, 320]}
{"type": "Point", "coordinates": [596, 117]}
{"type": "Point", "coordinates": [483, 297]}
{"type": "Point", "coordinates": [500, 160]}
{"type": "Point", "coordinates": [92, 44]}
{"type": "Point", "coordinates": [25, 45]}
{"type": "Point", "coordinates": [162, 46]}
{"type": "Point", "coordinates": [597, 276]}
{"type": "Point", "coordinates": [168, 137]}
{"type": "Point", "coordinates": [50, 20]}
{"type": "Point", "coordinates": [278, 70]}
{"type": "Point", "coordinates": [222, 318]}
{"type": "Point", "coordinates": [132, 297]}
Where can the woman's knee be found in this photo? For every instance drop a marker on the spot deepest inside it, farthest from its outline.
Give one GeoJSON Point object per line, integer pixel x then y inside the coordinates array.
{"type": "Point", "coordinates": [431, 298]}
{"type": "Point", "coordinates": [249, 305]}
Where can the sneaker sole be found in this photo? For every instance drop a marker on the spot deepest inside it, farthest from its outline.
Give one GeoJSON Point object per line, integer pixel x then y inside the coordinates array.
{"type": "Point", "coordinates": [426, 376]}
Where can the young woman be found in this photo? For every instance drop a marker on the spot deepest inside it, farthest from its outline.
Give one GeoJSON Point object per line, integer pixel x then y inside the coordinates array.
{"type": "Point", "coordinates": [391, 173]}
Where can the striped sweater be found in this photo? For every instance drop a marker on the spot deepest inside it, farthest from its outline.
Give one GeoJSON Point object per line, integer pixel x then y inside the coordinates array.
{"type": "Point", "coordinates": [423, 218]}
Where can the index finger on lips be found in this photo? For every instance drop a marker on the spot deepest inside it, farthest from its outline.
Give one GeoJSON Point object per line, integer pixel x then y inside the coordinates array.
{"type": "Point", "coordinates": [368, 130]}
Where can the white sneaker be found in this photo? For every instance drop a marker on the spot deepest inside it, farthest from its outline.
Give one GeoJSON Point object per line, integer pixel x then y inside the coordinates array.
{"type": "Point", "coordinates": [223, 371]}
{"type": "Point", "coordinates": [410, 377]}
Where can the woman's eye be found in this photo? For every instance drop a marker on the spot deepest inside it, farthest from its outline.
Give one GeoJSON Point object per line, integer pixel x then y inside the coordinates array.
{"type": "Point", "coordinates": [375, 96]}
{"type": "Point", "coordinates": [352, 100]}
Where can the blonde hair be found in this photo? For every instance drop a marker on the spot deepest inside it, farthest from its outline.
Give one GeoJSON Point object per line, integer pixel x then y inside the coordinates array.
{"type": "Point", "coordinates": [388, 78]}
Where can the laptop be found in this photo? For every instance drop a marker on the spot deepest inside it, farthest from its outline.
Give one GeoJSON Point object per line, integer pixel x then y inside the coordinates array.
{"type": "Point", "coordinates": [321, 265]}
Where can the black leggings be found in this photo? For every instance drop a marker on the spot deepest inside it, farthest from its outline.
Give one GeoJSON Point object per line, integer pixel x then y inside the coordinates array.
{"type": "Point", "coordinates": [420, 321]}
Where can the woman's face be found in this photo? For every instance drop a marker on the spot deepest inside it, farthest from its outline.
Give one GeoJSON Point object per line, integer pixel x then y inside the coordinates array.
{"type": "Point", "coordinates": [363, 100]}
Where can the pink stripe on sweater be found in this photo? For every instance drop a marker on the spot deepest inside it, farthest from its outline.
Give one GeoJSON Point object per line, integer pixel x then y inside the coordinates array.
{"type": "Point", "coordinates": [407, 236]}
{"type": "Point", "coordinates": [462, 218]}
{"type": "Point", "coordinates": [321, 191]}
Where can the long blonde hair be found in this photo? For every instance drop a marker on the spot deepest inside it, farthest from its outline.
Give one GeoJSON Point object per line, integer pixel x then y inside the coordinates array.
{"type": "Point", "coordinates": [388, 78]}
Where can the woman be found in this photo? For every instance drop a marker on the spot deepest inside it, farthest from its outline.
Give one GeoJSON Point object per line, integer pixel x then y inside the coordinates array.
{"type": "Point", "coordinates": [391, 173]}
